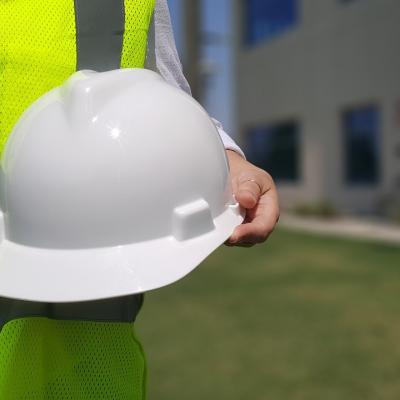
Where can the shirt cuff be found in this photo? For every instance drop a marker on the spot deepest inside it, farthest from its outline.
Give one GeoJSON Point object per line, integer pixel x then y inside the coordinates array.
{"type": "Point", "coordinates": [228, 142]}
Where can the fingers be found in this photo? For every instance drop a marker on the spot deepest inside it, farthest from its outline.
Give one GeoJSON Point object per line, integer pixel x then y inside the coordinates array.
{"type": "Point", "coordinates": [259, 223]}
{"type": "Point", "coordinates": [255, 232]}
{"type": "Point", "coordinates": [255, 191]}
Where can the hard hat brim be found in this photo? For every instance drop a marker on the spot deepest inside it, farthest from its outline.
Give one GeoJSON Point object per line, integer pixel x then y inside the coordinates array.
{"type": "Point", "coordinates": [53, 275]}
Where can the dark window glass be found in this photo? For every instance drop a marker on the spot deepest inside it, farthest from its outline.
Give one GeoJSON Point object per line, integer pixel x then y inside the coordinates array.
{"type": "Point", "coordinates": [266, 19]}
{"type": "Point", "coordinates": [276, 149]}
{"type": "Point", "coordinates": [361, 134]}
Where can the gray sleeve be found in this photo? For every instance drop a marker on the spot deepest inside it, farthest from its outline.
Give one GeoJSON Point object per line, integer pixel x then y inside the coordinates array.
{"type": "Point", "coordinates": [162, 56]}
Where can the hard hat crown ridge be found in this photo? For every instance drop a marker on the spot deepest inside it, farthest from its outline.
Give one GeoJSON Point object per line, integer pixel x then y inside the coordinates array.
{"type": "Point", "coordinates": [115, 182]}
{"type": "Point", "coordinates": [86, 92]}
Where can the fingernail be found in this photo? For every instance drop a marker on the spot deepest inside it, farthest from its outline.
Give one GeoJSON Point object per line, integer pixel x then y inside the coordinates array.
{"type": "Point", "coordinates": [233, 239]}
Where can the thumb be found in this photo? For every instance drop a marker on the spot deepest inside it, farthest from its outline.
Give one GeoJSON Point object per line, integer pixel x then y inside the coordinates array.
{"type": "Point", "coordinates": [248, 192]}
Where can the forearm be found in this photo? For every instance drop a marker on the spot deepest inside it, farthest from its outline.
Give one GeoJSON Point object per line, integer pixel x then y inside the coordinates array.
{"type": "Point", "coordinates": [167, 62]}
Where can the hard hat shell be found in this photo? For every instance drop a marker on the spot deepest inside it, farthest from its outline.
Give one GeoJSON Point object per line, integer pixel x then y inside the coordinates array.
{"type": "Point", "coordinates": [113, 184]}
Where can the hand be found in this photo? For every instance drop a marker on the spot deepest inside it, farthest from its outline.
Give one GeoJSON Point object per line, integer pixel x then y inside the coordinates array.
{"type": "Point", "coordinates": [255, 191]}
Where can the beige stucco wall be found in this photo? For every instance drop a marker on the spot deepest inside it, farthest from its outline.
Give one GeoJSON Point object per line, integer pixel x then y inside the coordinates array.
{"type": "Point", "coordinates": [339, 56]}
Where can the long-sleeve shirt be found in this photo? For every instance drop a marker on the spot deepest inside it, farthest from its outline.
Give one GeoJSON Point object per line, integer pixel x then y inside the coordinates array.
{"type": "Point", "coordinates": [163, 57]}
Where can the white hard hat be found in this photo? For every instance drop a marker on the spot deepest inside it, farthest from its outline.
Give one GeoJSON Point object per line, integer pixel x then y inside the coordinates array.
{"type": "Point", "coordinates": [113, 184]}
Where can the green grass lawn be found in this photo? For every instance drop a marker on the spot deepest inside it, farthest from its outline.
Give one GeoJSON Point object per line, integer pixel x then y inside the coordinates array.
{"type": "Point", "coordinates": [300, 318]}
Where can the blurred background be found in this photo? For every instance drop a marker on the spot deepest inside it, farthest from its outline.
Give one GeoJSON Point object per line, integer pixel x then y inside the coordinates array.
{"type": "Point", "coordinates": [310, 89]}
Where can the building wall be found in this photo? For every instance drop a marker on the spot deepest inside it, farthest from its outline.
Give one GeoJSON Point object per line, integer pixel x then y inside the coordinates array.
{"type": "Point", "coordinates": [339, 55]}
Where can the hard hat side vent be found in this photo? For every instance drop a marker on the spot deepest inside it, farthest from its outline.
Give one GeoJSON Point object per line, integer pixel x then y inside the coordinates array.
{"type": "Point", "coordinates": [192, 220]}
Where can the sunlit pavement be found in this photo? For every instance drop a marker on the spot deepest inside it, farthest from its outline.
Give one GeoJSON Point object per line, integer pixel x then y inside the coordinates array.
{"type": "Point", "coordinates": [345, 227]}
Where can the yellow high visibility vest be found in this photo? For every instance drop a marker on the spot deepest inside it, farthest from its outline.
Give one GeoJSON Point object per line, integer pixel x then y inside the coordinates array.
{"type": "Point", "coordinates": [42, 42]}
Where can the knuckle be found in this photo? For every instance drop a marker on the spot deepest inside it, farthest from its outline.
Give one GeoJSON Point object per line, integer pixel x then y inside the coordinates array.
{"type": "Point", "coordinates": [265, 236]}
{"type": "Point", "coordinates": [263, 229]}
{"type": "Point", "coordinates": [267, 231]}
{"type": "Point", "coordinates": [265, 176]}
{"type": "Point", "coordinates": [258, 238]}
{"type": "Point", "coordinates": [247, 245]}
{"type": "Point", "coordinates": [271, 228]}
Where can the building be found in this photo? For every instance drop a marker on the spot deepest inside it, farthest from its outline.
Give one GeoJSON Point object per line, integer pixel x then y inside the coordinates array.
{"type": "Point", "coordinates": [318, 98]}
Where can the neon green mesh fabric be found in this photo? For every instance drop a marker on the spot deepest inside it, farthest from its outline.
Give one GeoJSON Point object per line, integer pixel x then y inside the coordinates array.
{"type": "Point", "coordinates": [38, 50]}
{"type": "Point", "coordinates": [42, 359]}
{"type": "Point", "coordinates": [37, 53]}
{"type": "Point", "coordinates": [138, 15]}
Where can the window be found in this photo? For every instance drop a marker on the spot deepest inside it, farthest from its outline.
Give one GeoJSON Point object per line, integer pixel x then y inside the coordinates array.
{"type": "Point", "coordinates": [276, 149]}
{"type": "Point", "coordinates": [361, 139]}
{"type": "Point", "coordinates": [266, 19]}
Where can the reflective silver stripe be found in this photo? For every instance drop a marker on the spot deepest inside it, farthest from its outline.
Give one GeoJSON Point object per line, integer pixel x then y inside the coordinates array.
{"type": "Point", "coordinates": [151, 62]}
{"type": "Point", "coordinates": [120, 309]}
{"type": "Point", "coordinates": [99, 34]}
